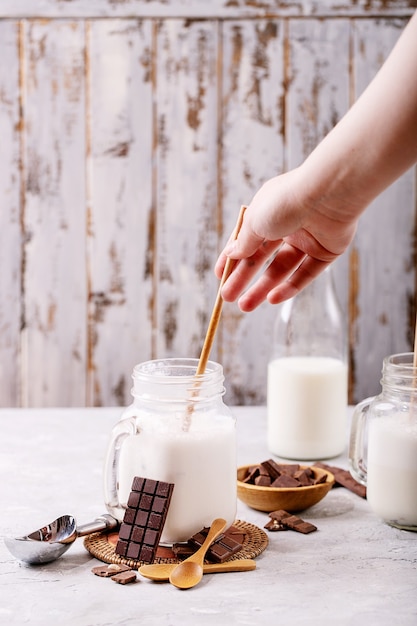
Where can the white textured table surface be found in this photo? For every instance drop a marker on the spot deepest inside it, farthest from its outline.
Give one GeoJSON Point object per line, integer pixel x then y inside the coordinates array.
{"type": "Point", "coordinates": [354, 571]}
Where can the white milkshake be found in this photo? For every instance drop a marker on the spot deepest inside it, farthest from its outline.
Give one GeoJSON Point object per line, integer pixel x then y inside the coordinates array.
{"type": "Point", "coordinates": [392, 469]}
{"type": "Point", "coordinates": [307, 400]}
{"type": "Point", "coordinates": [201, 462]}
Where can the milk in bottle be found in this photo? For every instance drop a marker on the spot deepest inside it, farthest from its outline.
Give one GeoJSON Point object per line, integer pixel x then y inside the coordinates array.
{"type": "Point", "coordinates": [307, 376]}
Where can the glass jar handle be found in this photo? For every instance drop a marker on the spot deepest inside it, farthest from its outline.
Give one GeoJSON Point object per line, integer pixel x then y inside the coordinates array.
{"type": "Point", "coordinates": [358, 444]}
{"type": "Point", "coordinates": [123, 429]}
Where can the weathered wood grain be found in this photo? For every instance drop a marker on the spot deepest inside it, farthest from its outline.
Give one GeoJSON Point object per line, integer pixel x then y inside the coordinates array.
{"type": "Point", "coordinates": [186, 184]}
{"type": "Point", "coordinates": [120, 205]}
{"type": "Point", "coordinates": [318, 95]}
{"type": "Point", "coordinates": [318, 83]}
{"type": "Point", "coordinates": [208, 9]}
{"type": "Point", "coordinates": [10, 215]}
{"type": "Point", "coordinates": [252, 67]}
{"type": "Point", "coordinates": [384, 247]}
{"type": "Point", "coordinates": [129, 143]}
{"type": "Point", "coordinates": [55, 294]}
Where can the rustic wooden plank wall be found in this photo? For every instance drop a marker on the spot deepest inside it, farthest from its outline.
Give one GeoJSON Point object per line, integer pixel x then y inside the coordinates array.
{"type": "Point", "coordinates": [131, 133]}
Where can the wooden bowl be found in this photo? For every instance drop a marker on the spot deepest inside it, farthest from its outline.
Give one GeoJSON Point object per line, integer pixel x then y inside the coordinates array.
{"type": "Point", "coordinates": [292, 500]}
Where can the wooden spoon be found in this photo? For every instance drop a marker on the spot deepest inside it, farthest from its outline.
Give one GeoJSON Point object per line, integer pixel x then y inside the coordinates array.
{"type": "Point", "coordinates": [162, 571]}
{"type": "Point", "coordinates": [189, 573]}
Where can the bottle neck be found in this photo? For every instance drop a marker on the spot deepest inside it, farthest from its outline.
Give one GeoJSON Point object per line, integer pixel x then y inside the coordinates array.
{"type": "Point", "coordinates": [399, 377]}
{"type": "Point", "coordinates": [173, 382]}
{"type": "Point", "coordinates": [311, 323]}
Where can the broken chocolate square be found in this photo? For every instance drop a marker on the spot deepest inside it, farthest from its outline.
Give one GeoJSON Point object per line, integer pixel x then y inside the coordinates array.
{"type": "Point", "coordinates": [107, 571]}
{"type": "Point", "coordinates": [343, 478]}
{"type": "Point", "coordinates": [293, 522]}
{"type": "Point", "coordinates": [224, 547]}
{"type": "Point", "coordinates": [124, 578]}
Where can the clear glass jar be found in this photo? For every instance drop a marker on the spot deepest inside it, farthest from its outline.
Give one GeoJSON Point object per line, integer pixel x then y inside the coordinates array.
{"type": "Point", "coordinates": [383, 444]}
{"type": "Point", "coordinates": [307, 376]}
{"type": "Point", "coordinates": [177, 430]}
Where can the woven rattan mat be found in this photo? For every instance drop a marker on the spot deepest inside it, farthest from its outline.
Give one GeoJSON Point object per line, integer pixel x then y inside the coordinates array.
{"type": "Point", "coordinates": [103, 547]}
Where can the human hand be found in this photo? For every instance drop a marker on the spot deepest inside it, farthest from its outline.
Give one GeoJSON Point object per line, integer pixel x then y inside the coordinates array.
{"type": "Point", "coordinates": [291, 223]}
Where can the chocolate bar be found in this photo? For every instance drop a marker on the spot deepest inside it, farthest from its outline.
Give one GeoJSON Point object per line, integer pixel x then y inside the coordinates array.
{"type": "Point", "coordinates": [227, 544]}
{"type": "Point", "coordinates": [343, 478]}
{"type": "Point", "coordinates": [293, 522]}
{"type": "Point", "coordinates": [144, 519]}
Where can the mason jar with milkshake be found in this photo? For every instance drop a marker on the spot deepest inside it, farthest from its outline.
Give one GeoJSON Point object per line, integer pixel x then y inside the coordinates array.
{"type": "Point", "coordinates": [177, 430]}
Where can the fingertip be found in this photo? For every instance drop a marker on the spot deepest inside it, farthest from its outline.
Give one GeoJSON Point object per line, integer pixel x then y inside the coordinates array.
{"type": "Point", "coordinates": [283, 292]}
{"type": "Point", "coordinates": [219, 266]}
{"type": "Point", "coordinates": [230, 248]}
{"type": "Point", "coordinates": [247, 304]}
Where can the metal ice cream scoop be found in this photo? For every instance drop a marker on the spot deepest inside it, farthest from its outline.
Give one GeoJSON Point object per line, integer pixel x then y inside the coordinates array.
{"type": "Point", "coordinates": [50, 542]}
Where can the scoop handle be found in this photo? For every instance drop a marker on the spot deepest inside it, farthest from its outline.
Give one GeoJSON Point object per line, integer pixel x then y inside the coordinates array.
{"type": "Point", "coordinates": [103, 522]}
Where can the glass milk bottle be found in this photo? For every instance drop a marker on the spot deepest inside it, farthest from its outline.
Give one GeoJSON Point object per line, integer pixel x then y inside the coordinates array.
{"type": "Point", "coordinates": [307, 376]}
{"type": "Point", "coordinates": [383, 444]}
{"type": "Point", "coordinates": [177, 430]}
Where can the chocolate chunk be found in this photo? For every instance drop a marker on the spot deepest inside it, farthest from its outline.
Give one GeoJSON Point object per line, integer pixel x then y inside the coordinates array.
{"type": "Point", "coordinates": [296, 523]}
{"type": "Point", "coordinates": [144, 519]}
{"type": "Point", "coordinates": [273, 525]}
{"type": "Point", "coordinates": [182, 550]}
{"type": "Point", "coordinates": [253, 472]}
{"type": "Point", "coordinates": [289, 468]}
{"type": "Point", "coordinates": [320, 479]}
{"type": "Point", "coordinates": [343, 478]}
{"type": "Point", "coordinates": [305, 476]}
{"type": "Point", "coordinates": [106, 571]}
{"type": "Point", "coordinates": [263, 481]}
{"type": "Point", "coordinates": [263, 471]}
{"type": "Point", "coordinates": [223, 548]}
{"type": "Point", "coordinates": [125, 577]}
{"type": "Point", "coordinates": [272, 468]}
{"type": "Point", "coordinates": [293, 522]}
{"type": "Point", "coordinates": [237, 534]}
{"type": "Point", "coordinates": [279, 516]}
{"type": "Point", "coordinates": [285, 481]}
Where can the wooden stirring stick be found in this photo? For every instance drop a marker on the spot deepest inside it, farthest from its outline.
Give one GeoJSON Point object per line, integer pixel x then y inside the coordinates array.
{"type": "Point", "coordinates": [213, 323]}
{"type": "Point", "coordinates": [218, 305]}
{"type": "Point", "coordinates": [415, 350]}
{"type": "Point", "coordinates": [414, 382]}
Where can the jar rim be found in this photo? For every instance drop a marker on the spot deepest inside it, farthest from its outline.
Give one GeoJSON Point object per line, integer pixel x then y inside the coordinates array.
{"type": "Point", "coordinates": [185, 368]}
{"type": "Point", "coordinates": [403, 360]}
